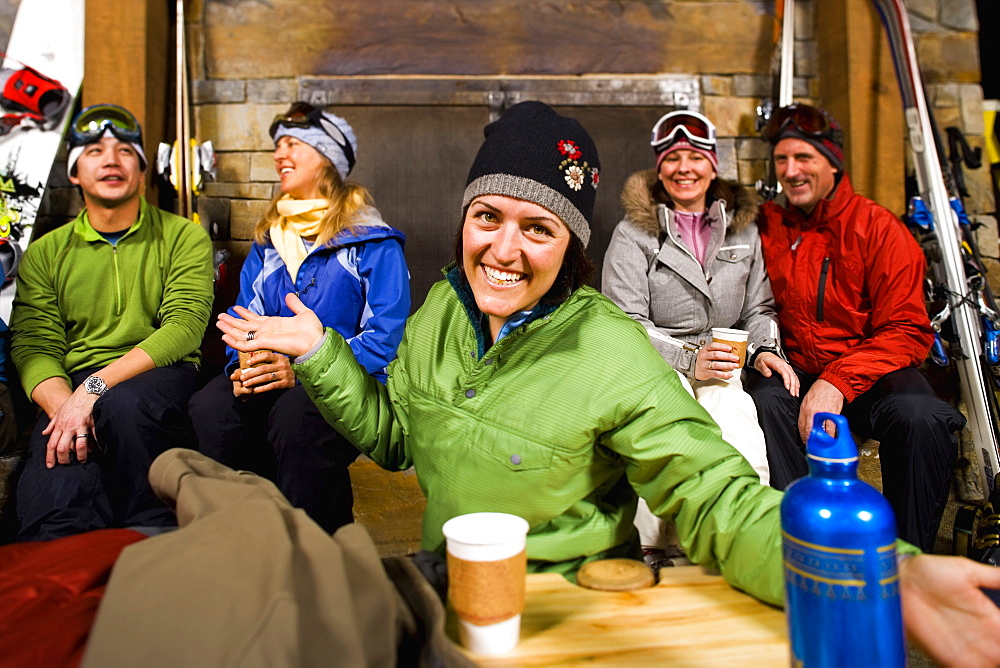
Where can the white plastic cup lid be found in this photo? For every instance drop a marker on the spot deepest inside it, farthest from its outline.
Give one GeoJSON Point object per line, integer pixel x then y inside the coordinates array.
{"type": "Point", "coordinates": [485, 536]}
{"type": "Point", "coordinates": [727, 334]}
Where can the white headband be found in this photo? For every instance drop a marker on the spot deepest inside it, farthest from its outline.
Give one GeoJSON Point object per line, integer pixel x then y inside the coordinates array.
{"type": "Point", "coordinates": [77, 151]}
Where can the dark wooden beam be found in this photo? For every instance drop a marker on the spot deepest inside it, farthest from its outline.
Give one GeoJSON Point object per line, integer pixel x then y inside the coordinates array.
{"type": "Point", "coordinates": [857, 84]}
{"type": "Point", "coordinates": [128, 61]}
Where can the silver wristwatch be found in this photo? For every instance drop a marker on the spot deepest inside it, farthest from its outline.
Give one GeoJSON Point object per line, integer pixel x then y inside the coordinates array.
{"type": "Point", "coordinates": [95, 385]}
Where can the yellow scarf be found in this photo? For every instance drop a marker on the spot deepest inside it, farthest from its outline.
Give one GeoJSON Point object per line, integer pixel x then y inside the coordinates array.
{"type": "Point", "coordinates": [299, 218]}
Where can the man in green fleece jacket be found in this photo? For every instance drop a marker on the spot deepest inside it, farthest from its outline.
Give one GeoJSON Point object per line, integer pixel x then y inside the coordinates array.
{"type": "Point", "coordinates": [109, 313]}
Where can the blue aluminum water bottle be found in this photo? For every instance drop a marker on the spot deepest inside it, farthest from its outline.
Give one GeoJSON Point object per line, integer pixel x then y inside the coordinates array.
{"type": "Point", "coordinates": [841, 581]}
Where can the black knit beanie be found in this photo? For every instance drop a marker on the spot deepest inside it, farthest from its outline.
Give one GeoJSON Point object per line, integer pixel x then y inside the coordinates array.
{"type": "Point", "coordinates": [534, 154]}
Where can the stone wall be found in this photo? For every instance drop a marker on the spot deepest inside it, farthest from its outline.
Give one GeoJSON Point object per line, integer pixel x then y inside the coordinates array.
{"type": "Point", "coordinates": [726, 44]}
{"type": "Point", "coordinates": [248, 59]}
{"type": "Point", "coordinates": [251, 55]}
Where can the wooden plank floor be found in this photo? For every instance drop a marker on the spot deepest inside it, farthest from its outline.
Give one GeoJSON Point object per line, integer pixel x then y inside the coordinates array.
{"type": "Point", "coordinates": [390, 505]}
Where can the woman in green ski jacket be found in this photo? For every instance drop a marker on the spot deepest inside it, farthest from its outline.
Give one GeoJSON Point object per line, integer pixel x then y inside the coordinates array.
{"type": "Point", "coordinates": [518, 389]}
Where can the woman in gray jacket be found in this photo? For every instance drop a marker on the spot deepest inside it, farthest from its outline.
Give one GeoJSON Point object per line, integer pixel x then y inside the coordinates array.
{"type": "Point", "coordinates": [686, 258]}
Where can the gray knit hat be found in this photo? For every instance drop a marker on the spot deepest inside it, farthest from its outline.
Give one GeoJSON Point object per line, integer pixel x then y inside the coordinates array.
{"type": "Point", "coordinates": [534, 154]}
{"type": "Point", "coordinates": [329, 134]}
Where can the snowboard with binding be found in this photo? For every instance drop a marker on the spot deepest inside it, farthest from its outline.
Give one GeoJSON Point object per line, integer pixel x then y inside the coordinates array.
{"type": "Point", "coordinates": [40, 77]}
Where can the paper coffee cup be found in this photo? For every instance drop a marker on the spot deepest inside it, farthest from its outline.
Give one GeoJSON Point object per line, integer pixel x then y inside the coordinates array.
{"type": "Point", "coordinates": [487, 565]}
{"type": "Point", "coordinates": [737, 338]}
{"type": "Point", "coordinates": [245, 359]}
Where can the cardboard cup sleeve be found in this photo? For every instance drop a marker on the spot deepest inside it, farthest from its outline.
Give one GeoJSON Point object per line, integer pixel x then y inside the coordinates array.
{"type": "Point", "coordinates": [487, 592]}
{"type": "Point", "coordinates": [737, 338]}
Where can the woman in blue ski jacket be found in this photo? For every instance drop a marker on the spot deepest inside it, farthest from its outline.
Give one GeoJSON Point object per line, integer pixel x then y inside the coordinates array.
{"type": "Point", "coordinates": [322, 239]}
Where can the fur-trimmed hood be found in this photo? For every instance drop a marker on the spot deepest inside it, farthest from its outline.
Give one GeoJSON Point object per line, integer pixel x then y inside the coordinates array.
{"type": "Point", "coordinates": [643, 192]}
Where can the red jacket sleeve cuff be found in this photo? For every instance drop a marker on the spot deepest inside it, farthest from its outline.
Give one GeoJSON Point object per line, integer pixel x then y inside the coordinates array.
{"type": "Point", "coordinates": [848, 390]}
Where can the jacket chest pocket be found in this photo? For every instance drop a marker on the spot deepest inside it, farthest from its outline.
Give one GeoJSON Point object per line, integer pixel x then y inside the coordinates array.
{"type": "Point", "coordinates": [537, 478]}
{"type": "Point", "coordinates": [841, 282]}
{"type": "Point", "coordinates": [728, 283]}
{"type": "Point", "coordinates": [477, 465]}
{"type": "Point", "coordinates": [513, 454]}
{"type": "Point", "coordinates": [734, 254]}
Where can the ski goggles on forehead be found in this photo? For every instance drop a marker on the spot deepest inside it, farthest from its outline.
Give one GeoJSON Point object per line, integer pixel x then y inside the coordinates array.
{"type": "Point", "coordinates": [808, 120]}
{"type": "Point", "coordinates": [304, 115]}
{"type": "Point", "coordinates": [91, 124]}
{"type": "Point", "coordinates": [698, 130]}
{"type": "Point", "coordinates": [301, 115]}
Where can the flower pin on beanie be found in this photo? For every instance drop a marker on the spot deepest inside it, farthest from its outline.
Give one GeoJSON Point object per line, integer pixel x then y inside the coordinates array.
{"type": "Point", "coordinates": [535, 154]}
{"type": "Point", "coordinates": [575, 173]}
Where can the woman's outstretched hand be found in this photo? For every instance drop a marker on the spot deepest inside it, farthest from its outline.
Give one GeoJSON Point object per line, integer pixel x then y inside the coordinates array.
{"type": "Point", "coordinates": [294, 336]}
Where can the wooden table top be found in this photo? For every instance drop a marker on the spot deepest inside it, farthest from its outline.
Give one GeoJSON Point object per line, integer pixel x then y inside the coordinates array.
{"type": "Point", "coordinates": [690, 618]}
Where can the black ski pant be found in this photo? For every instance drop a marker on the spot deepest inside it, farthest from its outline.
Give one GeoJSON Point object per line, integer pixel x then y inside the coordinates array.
{"type": "Point", "coordinates": [282, 436]}
{"type": "Point", "coordinates": [134, 422]}
{"type": "Point", "coordinates": [916, 434]}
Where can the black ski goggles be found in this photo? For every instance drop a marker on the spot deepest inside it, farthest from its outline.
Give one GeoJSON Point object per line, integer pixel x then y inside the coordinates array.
{"type": "Point", "coordinates": [808, 120]}
{"type": "Point", "coordinates": [305, 115]}
{"type": "Point", "coordinates": [91, 124]}
{"type": "Point", "coordinates": [698, 130]}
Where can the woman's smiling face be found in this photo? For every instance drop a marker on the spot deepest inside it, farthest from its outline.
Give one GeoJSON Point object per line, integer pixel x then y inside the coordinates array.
{"type": "Point", "coordinates": [298, 165]}
{"type": "Point", "coordinates": [686, 176]}
{"type": "Point", "coordinates": [512, 251]}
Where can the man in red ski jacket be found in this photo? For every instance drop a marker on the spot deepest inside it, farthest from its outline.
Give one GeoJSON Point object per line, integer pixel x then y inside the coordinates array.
{"type": "Point", "coordinates": [847, 278]}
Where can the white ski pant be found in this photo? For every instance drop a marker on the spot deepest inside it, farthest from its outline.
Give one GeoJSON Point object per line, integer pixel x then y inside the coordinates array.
{"type": "Point", "coordinates": [733, 409]}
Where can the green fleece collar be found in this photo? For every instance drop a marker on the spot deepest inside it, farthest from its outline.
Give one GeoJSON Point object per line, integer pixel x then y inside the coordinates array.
{"type": "Point", "coordinates": [83, 228]}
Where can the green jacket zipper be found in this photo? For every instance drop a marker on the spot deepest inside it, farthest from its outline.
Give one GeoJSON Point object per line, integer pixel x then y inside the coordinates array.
{"type": "Point", "coordinates": [118, 279]}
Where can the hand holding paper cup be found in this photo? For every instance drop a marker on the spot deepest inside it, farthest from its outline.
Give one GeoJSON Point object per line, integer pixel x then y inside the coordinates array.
{"type": "Point", "coordinates": [245, 359]}
{"type": "Point", "coordinates": [737, 338]}
{"type": "Point", "coordinates": [487, 565]}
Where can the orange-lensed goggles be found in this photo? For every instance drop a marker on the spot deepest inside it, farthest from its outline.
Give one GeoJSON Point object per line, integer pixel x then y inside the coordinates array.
{"type": "Point", "coordinates": [697, 129]}
{"type": "Point", "coordinates": [808, 120]}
